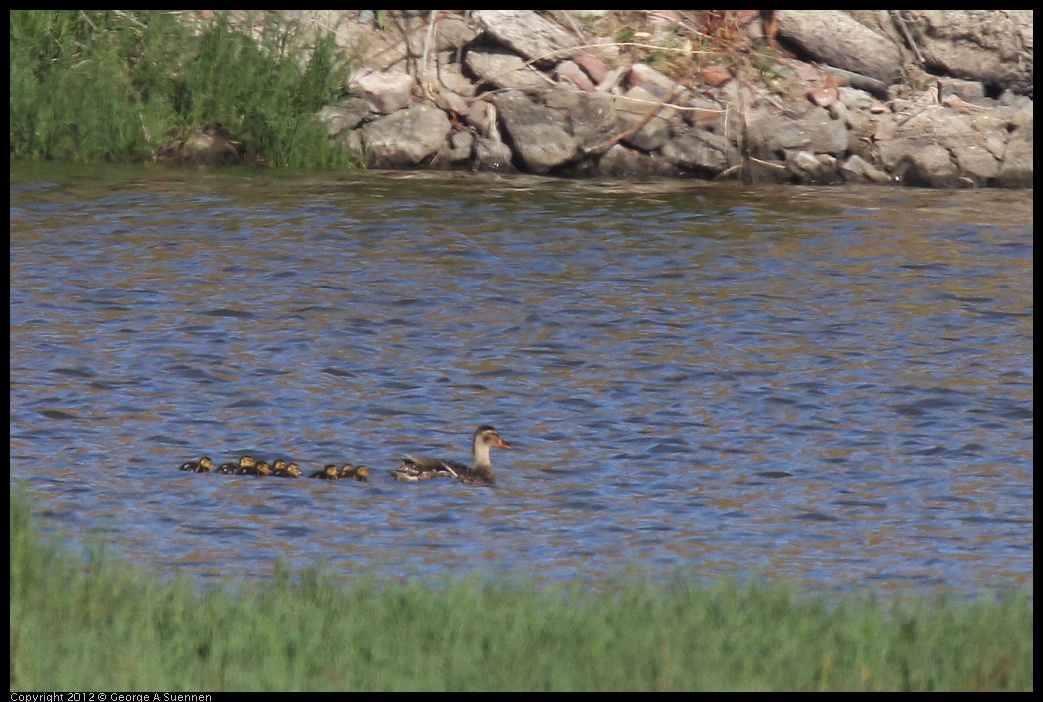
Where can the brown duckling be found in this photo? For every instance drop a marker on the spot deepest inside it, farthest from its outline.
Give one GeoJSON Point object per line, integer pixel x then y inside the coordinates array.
{"type": "Point", "coordinates": [417, 468]}
{"type": "Point", "coordinates": [244, 466]}
{"type": "Point", "coordinates": [259, 468]}
{"type": "Point", "coordinates": [359, 473]}
{"type": "Point", "coordinates": [203, 465]}
{"type": "Point", "coordinates": [291, 470]}
{"type": "Point", "coordinates": [330, 472]}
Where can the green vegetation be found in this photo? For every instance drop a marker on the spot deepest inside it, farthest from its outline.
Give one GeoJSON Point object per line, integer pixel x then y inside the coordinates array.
{"type": "Point", "coordinates": [104, 626]}
{"type": "Point", "coordinates": [96, 85]}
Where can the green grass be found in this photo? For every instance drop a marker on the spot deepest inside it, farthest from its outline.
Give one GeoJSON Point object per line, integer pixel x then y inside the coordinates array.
{"type": "Point", "coordinates": [101, 625]}
{"type": "Point", "coordinates": [103, 85]}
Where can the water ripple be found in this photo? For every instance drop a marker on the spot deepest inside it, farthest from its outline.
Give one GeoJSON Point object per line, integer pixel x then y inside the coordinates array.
{"type": "Point", "coordinates": [695, 379]}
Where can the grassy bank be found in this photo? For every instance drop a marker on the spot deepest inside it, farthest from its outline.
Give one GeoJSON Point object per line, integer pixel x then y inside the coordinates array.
{"type": "Point", "coordinates": [104, 626]}
{"type": "Point", "coordinates": [108, 85]}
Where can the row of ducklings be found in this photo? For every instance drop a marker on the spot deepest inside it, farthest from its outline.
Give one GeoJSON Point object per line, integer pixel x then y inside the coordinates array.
{"type": "Point", "coordinates": [278, 468]}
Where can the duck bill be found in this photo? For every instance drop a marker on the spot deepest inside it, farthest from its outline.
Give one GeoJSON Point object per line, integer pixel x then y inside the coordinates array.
{"type": "Point", "coordinates": [503, 444]}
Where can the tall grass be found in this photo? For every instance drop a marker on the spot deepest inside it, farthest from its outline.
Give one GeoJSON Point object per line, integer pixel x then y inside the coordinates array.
{"type": "Point", "coordinates": [109, 85]}
{"type": "Point", "coordinates": [101, 625]}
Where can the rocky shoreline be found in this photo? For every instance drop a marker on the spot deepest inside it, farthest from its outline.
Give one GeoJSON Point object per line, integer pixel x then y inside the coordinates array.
{"type": "Point", "coordinates": [923, 98]}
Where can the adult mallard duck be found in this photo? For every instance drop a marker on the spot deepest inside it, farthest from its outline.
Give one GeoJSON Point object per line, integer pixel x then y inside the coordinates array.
{"type": "Point", "coordinates": [416, 468]}
{"type": "Point", "coordinates": [203, 465]}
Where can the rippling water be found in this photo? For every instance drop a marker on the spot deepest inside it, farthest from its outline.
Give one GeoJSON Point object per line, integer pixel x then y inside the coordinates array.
{"type": "Point", "coordinates": [832, 385]}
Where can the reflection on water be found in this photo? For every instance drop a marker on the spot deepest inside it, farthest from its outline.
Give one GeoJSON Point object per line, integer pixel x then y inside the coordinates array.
{"type": "Point", "coordinates": [831, 385]}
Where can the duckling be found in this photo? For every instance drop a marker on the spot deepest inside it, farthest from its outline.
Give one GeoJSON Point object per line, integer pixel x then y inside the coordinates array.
{"type": "Point", "coordinates": [249, 466]}
{"type": "Point", "coordinates": [359, 473]}
{"type": "Point", "coordinates": [292, 470]}
{"type": "Point", "coordinates": [259, 468]}
{"type": "Point", "coordinates": [330, 472]}
{"type": "Point", "coordinates": [279, 464]}
{"type": "Point", "coordinates": [203, 465]}
{"type": "Point", "coordinates": [245, 464]}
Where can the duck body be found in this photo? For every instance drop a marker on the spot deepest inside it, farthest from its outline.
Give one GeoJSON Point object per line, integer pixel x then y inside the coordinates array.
{"type": "Point", "coordinates": [290, 470]}
{"type": "Point", "coordinates": [330, 472]}
{"type": "Point", "coordinates": [245, 465]}
{"type": "Point", "coordinates": [417, 468]}
{"type": "Point", "coordinates": [359, 473]}
{"type": "Point", "coordinates": [258, 468]}
{"type": "Point", "coordinates": [203, 465]}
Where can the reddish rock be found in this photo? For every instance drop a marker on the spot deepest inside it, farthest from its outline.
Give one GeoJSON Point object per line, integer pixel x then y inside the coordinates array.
{"type": "Point", "coordinates": [571, 72]}
{"type": "Point", "coordinates": [823, 97]}
{"type": "Point", "coordinates": [958, 105]}
{"type": "Point", "coordinates": [594, 66]}
{"type": "Point", "coordinates": [715, 75]}
{"type": "Point", "coordinates": [970, 90]}
{"type": "Point", "coordinates": [648, 78]}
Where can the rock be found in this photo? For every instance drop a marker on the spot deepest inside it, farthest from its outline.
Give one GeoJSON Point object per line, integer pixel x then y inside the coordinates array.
{"type": "Point", "coordinates": [571, 72]}
{"type": "Point", "coordinates": [386, 91]}
{"type": "Point", "coordinates": [644, 119]}
{"type": "Point", "coordinates": [823, 97]}
{"type": "Point", "coordinates": [854, 99]}
{"type": "Point", "coordinates": [514, 90]}
{"type": "Point", "coordinates": [976, 163]}
{"type": "Point", "coordinates": [528, 34]}
{"type": "Point", "coordinates": [835, 38]}
{"type": "Point", "coordinates": [406, 39]}
{"type": "Point", "coordinates": [701, 152]}
{"type": "Point", "coordinates": [704, 113]}
{"type": "Point", "coordinates": [825, 134]}
{"type": "Point", "coordinates": [591, 117]}
{"type": "Point", "coordinates": [406, 138]}
{"type": "Point", "coordinates": [493, 155]}
{"type": "Point", "coordinates": [452, 103]}
{"type": "Point", "coordinates": [612, 79]}
{"type": "Point", "coordinates": [771, 135]}
{"type": "Point", "coordinates": [482, 116]}
{"type": "Point", "coordinates": [348, 113]}
{"type": "Point", "coordinates": [858, 170]}
{"type": "Point", "coordinates": [971, 91]}
{"type": "Point", "coordinates": [506, 71]}
{"type": "Point", "coordinates": [537, 133]}
{"type": "Point", "coordinates": [453, 32]}
{"type": "Point", "coordinates": [990, 46]}
{"type": "Point", "coordinates": [652, 81]}
{"type": "Point", "coordinates": [620, 162]}
{"type": "Point", "coordinates": [451, 77]}
{"type": "Point", "coordinates": [928, 167]}
{"type": "Point", "coordinates": [461, 147]}
{"type": "Point", "coordinates": [715, 75]}
{"type": "Point", "coordinates": [1016, 169]}
{"type": "Point", "coordinates": [593, 66]}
